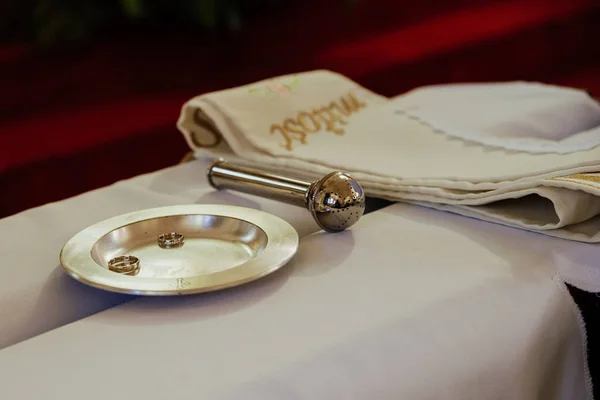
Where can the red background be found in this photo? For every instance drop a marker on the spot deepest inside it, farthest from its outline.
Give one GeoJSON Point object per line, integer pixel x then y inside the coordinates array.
{"type": "Point", "coordinates": [75, 120]}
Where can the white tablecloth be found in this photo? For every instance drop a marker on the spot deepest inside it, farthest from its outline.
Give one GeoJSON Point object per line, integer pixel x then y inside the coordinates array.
{"type": "Point", "coordinates": [409, 304]}
{"type": "Point", "coordinates": [37, 296]}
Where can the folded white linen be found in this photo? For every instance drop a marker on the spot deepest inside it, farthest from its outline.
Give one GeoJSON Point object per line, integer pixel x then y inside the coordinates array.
{"type": "Point", "coordinates": [410, 149]}
{"type": "Point", "coordinates": [522, 116]}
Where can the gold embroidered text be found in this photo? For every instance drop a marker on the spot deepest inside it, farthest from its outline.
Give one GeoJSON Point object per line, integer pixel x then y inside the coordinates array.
{"type": "Point", "coordinates": [331, 118]}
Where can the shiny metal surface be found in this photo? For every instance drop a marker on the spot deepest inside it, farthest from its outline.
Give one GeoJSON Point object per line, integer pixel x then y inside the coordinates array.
{"type": "Point", "coordinates": [288, 190]}
{"type": "Point", "coordinates": [128, 265]}
{"type": "Point", "coordinates": [171, 240]}
{"type": "Point", "coordinates": [336, 201]}
{"type": "Point", "coordinates": [224, 246]}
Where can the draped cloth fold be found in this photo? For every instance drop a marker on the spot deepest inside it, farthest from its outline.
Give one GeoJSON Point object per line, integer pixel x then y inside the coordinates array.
{"type": "Point", "coordinates": [521, 154]}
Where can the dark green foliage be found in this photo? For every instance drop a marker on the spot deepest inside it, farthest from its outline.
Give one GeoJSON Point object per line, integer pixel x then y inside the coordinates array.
{"type": "Point", "coordinates": [49, 22]}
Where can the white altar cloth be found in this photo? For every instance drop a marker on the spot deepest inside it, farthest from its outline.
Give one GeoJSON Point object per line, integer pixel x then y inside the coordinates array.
{"type": "Point", "coordinates": [409, 304]}
{"type": "Point", "coordinates": [37, 296]}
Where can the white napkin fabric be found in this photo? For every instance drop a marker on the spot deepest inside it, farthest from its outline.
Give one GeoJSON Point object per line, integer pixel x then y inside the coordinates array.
{"type": "Point", "coordinates": [411, 149]}
{"type": "Point", "coordinates": [522, 116]}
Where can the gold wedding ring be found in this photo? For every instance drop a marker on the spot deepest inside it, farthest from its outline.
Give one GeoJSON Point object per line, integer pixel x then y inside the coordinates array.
{"type": "Point", "coordinates": [170, 240]}
{"type": "Point", "coordinates": [125, 265]}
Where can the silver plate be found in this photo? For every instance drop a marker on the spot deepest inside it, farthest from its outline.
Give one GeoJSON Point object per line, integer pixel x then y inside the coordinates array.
{"type": "Point", "coordinates": [223, 246]}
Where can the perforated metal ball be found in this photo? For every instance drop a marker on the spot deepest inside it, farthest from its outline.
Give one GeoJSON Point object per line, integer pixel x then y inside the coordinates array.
{"type": "Point", "coordinates": [336, 201]}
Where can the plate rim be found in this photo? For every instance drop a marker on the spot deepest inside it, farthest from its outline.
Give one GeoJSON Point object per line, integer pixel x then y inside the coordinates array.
{"type": "Point", "coordinates": [282, 244]}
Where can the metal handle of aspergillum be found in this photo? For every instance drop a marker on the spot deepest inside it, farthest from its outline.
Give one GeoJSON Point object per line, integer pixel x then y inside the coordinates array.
{"type": "Point", "coordinates": [336, 201]}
